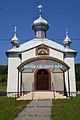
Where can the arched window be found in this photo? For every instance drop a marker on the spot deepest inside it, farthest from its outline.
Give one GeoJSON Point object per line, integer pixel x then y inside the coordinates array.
{"type": "Point", "coordinates": [42, 50]}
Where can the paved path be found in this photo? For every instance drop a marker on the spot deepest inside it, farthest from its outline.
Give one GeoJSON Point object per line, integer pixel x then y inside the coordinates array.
{"type": "Point", "coordinates": [36, 110]}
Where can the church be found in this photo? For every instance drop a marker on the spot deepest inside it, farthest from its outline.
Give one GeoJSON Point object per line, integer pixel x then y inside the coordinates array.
{"type": "Point", "coordinates": [41, 68]}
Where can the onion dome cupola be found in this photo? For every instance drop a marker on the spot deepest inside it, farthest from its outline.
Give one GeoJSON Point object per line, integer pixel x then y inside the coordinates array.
{"type": "Point", "coordinates": [67, 41]}
{"type": "Point", "coordinates": [40, 26]}
{"type": "Point", "coordinates": [14, 40]}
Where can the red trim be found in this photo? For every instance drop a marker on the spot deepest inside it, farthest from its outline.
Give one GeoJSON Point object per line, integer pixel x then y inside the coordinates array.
{"type": "Point", "coordinates": [42, 46]}
{"type": "Point", "coordinates": [35, 80]}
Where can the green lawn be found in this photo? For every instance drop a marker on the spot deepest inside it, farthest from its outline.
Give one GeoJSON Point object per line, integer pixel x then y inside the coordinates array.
{"type": "Point", "coordinates": [9, 108]}
{"type": "Point", "coordinates": [3, 88]}
{"type": "Point", "coordinates": [68, 109]}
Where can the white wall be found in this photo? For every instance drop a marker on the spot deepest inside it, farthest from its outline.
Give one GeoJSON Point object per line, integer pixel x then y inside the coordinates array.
{"type": "Point", "coordinates": [27, 81]}
{"type": "Point", "coordinates": [32, 53]}
{"type": "Point", "coordinates": [28, 54]}
{"type": "Point", "coordinates": [58, 82]}
{"type": "Point", "coordinates": [70, 63]}
{"type": "Point", "coordinates": [12, 83]}
{"type": "Point", "coordinates": [56, 54]}
{"type": "Point", "coordinates": [66, 81]}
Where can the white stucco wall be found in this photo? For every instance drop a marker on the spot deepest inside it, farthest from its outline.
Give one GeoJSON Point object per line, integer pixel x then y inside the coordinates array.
{"type": "Point", "coordinates": [32, 53]}
{"type": "Point", "coordinates": [66, 81]}
{"type": "Point", "coordinates": [70, 63]}
{"type": "Point", "coordinates": [28, 54]}
{"type": "Point", "coordinates": [56, 54]}
{"type": "Point", "coordinates": [57, 80]}
{"type": "Point", "coordinates": [27, 81]}
{"type": "Point", "coordinates": [12, 83]}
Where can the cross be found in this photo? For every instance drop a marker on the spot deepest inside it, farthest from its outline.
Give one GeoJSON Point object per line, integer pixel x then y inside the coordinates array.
{"type": "Point", "coordinates": [66, 31]}
{"type": "Point", "coordinates": [15, 31]}
{"type": "Point", "coordinates": [40, 9]}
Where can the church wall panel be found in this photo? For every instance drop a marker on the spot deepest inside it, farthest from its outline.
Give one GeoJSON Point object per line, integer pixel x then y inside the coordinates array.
{"type": "Point", "coordinates": [12, 84]}
{"type": "Point", "coordinates": [70, 62]}
{"type": "Point", "coordinates": [28, 54]}
{"type": "Point", "coordinates": [27, 81]}
{"type": "Point", "coordinates": [57, 80]}
{"type": "Point", "coordinates": [56, 54]}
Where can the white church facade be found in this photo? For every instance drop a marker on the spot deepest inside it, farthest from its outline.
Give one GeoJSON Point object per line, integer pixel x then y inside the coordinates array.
{"type": "Point", "coordinates": [41, 65]}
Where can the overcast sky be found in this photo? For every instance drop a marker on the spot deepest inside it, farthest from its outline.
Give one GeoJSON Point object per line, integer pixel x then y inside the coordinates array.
{"type": "Point", "coordinates": [60, 14]}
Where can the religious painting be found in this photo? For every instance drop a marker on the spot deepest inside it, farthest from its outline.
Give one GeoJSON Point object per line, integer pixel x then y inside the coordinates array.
{"type": "Point", "coordinates": [42, 50]}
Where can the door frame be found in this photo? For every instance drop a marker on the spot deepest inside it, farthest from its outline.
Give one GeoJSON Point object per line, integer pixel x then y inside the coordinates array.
{"type": "Point", "coordinates": [35, 78]}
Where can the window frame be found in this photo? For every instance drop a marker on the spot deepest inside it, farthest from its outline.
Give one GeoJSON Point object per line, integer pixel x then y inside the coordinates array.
{"type": "Point", "coordinates": [42, 47]}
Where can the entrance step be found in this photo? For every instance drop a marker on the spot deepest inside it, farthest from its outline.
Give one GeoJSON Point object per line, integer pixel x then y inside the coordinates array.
{"type": "Point", "coordinates": [46, 95]}
{"type": "Point", "coordinates": [59, 96]}
{"type": "Point", "coordinates": [27, 96]}
{"type": "Point", "coordinates": [43, 95]}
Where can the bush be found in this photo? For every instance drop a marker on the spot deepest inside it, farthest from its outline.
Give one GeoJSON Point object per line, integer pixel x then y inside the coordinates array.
{"type": "Point", "coordinates": [3, 79]}
{"type": "Point", "coordinates": [77, 70]}
{"type": "Point", "coordinates": [3, 69]}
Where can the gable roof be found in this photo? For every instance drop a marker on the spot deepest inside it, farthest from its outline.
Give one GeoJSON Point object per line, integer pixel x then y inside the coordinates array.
{"type": "Point", "coordinates": [36, 42]}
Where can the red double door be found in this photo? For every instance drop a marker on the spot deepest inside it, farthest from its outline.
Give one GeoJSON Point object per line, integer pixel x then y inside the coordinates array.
{"type": "Point", "coordinates": [42, 79]}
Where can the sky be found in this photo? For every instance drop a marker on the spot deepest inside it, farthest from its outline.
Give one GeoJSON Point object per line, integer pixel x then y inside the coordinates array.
{"type": "Point", "coordinates": [60, 14]}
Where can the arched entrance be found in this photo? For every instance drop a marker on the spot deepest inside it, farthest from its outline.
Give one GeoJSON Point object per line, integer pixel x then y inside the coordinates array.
{"type": "Point", "coordinates": [42, 79]}
{"type": "Point", "coordinates": [36, 64]}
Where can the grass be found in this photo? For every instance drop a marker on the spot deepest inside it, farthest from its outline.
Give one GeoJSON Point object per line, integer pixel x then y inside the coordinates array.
{"type": "Point", "coordinates": [68, 109]}
{"type": "Point", "coordinates": [9, 108]}
{"type": "Point", "coordinates": [3, 88]}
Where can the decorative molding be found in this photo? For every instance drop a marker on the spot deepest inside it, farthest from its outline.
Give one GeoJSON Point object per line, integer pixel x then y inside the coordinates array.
{"type": "Point", "coordinates": [42, 50]}
{"type": "Point", "coordinates": [42, 58]}
{"type": "Point", "coordinates": [69, 55]}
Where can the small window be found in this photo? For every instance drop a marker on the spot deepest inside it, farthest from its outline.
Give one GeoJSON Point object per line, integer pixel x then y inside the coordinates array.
{"type": "Point", "coordinates": [42, 50]}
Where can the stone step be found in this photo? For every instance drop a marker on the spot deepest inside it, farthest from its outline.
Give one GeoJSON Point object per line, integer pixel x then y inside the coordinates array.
{"type": "Point", "coordinates": [59, 96]}
{"type": "Point", "coordinates": [43, 95]}
{"type": "Point", "coordinates": [37, 95]}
